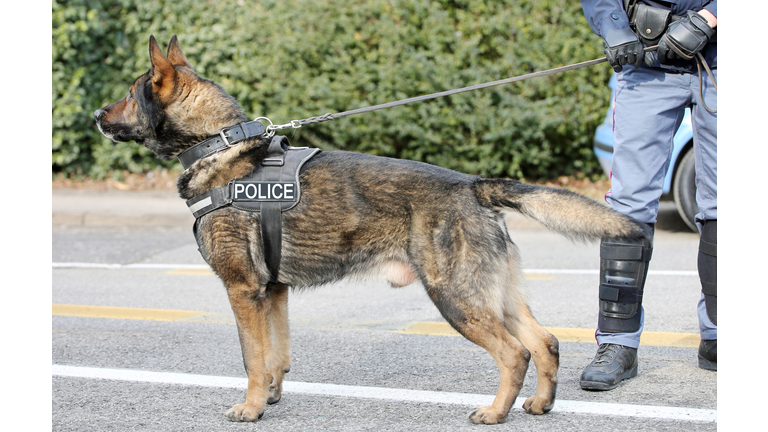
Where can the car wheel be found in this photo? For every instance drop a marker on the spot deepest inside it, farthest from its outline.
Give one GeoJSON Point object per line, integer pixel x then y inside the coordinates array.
{"type": "Point", "coordinates": [684, 190]}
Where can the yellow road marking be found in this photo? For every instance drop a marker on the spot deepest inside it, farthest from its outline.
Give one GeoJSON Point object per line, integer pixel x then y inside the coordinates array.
{"type": "Point", "coordinates": [122, 312]}
{"type": "Point", "coordinates": [682, 340]}
{"type": "Point", "coordinates": [191, 271]}
{"type": "Point", "coordinates": [431, 328]}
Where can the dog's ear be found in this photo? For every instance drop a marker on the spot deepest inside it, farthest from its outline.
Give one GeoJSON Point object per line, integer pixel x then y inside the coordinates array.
{"type": "Point", "coordinates": [162, 69]}
{"type": "Point", "coordinates": [175, 55]}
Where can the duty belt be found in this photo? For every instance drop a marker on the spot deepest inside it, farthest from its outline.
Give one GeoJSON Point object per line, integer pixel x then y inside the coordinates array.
{"type": "Point", "coordinates": [271, 188]}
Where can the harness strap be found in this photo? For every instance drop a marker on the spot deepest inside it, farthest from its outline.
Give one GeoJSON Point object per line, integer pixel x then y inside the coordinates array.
{"type": "Point", "coordinates": [210, 201]}
{"type": "Point", "coordinates": [271, 212]}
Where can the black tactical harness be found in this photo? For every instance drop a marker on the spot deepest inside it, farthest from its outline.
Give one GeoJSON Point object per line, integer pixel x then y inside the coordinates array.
{"type": "Point", "coordinates": [271, 188]}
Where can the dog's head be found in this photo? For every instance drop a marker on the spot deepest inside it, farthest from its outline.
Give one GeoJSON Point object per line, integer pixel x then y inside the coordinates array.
{"type": "Point", "coordinates": [169, 108]}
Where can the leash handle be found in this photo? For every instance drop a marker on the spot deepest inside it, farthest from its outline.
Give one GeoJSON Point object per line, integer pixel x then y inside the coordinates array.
{"type": "Point", "coordinates": [699, 62]}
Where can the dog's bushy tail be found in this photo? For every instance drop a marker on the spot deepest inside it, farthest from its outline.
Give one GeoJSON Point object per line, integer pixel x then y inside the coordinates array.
{"type": "Point", "coordinates": [568, 213]}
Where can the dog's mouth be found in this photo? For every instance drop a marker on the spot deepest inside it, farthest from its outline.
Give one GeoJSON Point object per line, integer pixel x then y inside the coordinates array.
{"type": "Point", "coordinates": [111, 131]}
{"type": "Point", "coordinates": [105, 132]}
{"type": "Point", "coordinates": [114, 136]}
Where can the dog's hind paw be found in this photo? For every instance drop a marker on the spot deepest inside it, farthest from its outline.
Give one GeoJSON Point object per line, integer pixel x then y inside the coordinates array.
{"type": "Point", "coordinates": [487, 415]}
{"type": "Point", "coordinates": [537, 405]}
{"type": "Point", "coordinates": [244, 413]}
{"type": "Point", "coordinates": [275, 393]}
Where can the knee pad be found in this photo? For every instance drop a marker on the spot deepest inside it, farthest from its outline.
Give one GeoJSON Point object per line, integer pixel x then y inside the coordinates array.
{"type": "Point", "coordinates": [707, 264]}
{"type": "Point", "coordinates": [623, 270]}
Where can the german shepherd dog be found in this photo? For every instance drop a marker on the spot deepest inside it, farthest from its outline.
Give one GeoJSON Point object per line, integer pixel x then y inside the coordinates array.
{"type": "Point", "coordinates": [359, 215]}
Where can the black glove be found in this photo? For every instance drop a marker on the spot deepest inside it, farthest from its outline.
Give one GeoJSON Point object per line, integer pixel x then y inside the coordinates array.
{"type": "Point", "coordinates": [622, 47]}
{"type": "Point", "coordinates": [684, 38]}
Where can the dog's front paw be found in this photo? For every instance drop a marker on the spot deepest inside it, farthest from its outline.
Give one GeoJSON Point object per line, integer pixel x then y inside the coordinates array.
{"type": "Point", "coordinates": [245, 413]}
{"type": "Point", "coordinates": [538, 405]}
{"type": "Point", "coordinates": [487, 415]}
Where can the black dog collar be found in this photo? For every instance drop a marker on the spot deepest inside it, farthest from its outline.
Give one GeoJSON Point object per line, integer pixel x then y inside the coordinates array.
{"type": "Point", "coordinates": [225, 139]}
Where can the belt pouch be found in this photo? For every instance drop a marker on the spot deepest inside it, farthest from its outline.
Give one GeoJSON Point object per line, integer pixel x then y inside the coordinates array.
{"type": "Point", "coordinates": [650, 23]}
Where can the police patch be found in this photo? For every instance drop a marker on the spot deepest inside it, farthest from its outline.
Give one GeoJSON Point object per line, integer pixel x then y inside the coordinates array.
{"type": "Point", "coordinates": [250, 191]}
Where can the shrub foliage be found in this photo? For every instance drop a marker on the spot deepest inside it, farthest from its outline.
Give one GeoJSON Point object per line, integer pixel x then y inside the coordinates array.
{"type": "Point", "coordinates": [293, 59]}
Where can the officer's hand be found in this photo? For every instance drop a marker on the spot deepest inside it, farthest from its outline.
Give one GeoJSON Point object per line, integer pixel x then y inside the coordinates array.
{"type": "Point", "coordinates": [622, 47]}
{"type": "Point", "coordinates": [684, 38]}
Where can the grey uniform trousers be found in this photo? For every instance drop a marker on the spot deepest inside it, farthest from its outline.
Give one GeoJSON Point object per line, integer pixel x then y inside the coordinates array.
{"type": "Point", "coordinates": [649, 107]}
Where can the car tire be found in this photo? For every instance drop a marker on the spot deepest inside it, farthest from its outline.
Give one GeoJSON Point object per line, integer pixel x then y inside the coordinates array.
{"type": "Point", "coordinates": [684, 190]}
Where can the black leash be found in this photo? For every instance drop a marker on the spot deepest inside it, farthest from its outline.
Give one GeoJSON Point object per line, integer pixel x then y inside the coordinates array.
{"type": "Point", "coordinates": [295, 124]}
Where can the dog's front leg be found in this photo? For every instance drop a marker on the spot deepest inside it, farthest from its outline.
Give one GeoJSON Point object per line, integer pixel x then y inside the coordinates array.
{"type": "Point", "coordinates": [253, 325]}
{"type": "Point", "coordinates": [279, 360]}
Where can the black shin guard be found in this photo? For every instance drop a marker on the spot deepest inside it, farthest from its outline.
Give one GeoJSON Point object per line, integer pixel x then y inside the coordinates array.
{"type": "Point", "coordinates": [623, 269]}
{"type": "Point", "coordinates": [707, 264]}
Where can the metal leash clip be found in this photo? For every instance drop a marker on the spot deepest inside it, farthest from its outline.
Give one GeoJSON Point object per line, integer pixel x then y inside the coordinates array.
{"type": "Point", "coordinates": [295, 124]}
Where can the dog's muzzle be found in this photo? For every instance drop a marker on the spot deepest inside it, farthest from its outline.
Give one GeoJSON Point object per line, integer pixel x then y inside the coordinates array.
{"type": "Point", "coordinates": [98, 115]}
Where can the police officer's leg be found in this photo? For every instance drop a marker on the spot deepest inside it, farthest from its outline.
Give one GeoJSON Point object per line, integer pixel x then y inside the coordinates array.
{"type": "Point", "coordinates": [649, 106]}
{"type": "Point", "coordinates": [705, 147]}
{"type": "Point", "coordinates": [707, 307]}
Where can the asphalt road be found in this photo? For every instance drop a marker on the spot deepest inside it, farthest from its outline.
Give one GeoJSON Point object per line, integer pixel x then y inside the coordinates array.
{"type": "Point", "coordinates": [364, 356]}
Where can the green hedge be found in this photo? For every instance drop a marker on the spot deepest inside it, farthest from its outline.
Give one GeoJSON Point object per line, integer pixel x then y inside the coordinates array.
{"type": "Point", "coordinates": [293, 59]}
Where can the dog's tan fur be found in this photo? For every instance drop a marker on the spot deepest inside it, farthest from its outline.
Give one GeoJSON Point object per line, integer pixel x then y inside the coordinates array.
{"type": "Point", "coordinates": [360, 216]}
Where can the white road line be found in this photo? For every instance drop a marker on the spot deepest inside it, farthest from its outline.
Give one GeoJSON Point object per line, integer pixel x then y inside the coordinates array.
{"type": "Point", "coordinates": [561, 406]}
{"type": "Point", "coordinates": [203, 266]}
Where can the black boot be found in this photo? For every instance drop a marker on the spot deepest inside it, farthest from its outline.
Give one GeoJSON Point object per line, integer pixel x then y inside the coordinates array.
{"type": "Point", "coordinates": [708, 354]}
{"type": "Point", "coordinates": [612, 364]}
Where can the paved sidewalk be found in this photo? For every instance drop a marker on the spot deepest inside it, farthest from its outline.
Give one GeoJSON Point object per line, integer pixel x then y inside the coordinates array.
{"type": "Point", "coordinates": [81, 207]}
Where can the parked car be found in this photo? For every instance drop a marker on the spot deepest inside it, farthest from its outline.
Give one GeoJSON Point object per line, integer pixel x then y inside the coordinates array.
{"type": "Point", "coordinates": [680, 179]}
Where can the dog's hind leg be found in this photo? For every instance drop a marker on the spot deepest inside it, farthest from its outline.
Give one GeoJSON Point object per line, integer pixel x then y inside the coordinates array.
{"type": "Point", "coordinates": [543, 347]}
{"type": "Point", "coordinates": [519, 321]}
{"type": "Point", "coordinates": [485, 328]}
{"type": "Point", "coordinates": [279, 360]}
{"type": "Point", "coordinates": [463, 263]}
